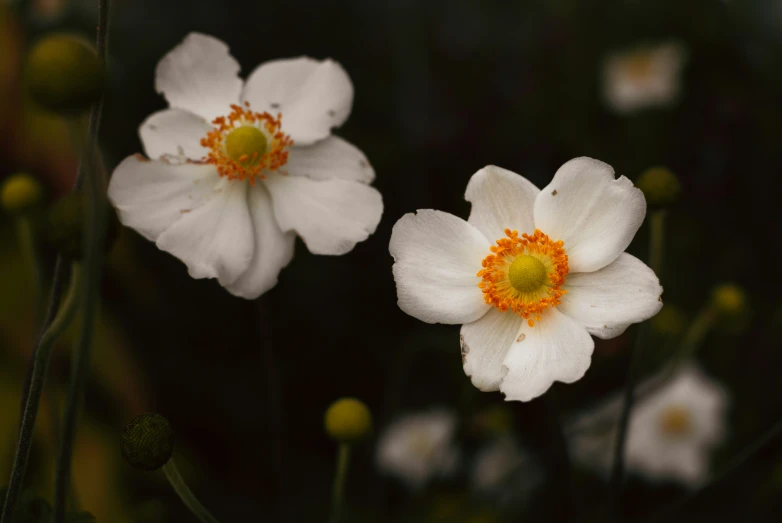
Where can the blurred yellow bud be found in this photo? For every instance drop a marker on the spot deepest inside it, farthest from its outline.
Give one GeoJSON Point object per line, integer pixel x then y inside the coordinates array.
{"type": "Point", "coordinates": [148, 442]}
{"type": "Point", "coordinates": [64, 73]}
{"type": "Point", "coordinates": [670, 321]}
{"type": "Point", "coordinates": [20, 193]}
{"type": "Point", "coordinates": [348, 420]}
{"type": "Point", "coordinates": [660, 186]}
{"type": "Point", "coordinates": [729, 299]}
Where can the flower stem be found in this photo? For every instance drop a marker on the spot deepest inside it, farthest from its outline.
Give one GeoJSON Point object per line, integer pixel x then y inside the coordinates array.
{"type": "Point", "coordinates": [656, 236]}
{"type": "Point", "coordinates": [186, 495]}
{"type": "Point", "coordinates": [340, 475]}
{"type": "Point", "coordinates": [28, 245]}
{"type": "Point", "coordinates": [54, 328]}
{"type": "Point", "coordinates": [656, 244]}
{"type": "Point", "coordinates": [92, 174]}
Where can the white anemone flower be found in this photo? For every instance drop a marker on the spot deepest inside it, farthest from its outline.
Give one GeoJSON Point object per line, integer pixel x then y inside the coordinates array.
{"type": "Point", "coordinates": [643, 77]}
{"type": "Point", "coordinates": [672, 432]}
{"type": "Point", "coordinates": [530, 275]}
{"type": "Point", "coordinates": [238, 169]}
{"type": "Point", "coordinates": [505, 473]}
{"type": "Point", "coordinates": [419, 447]}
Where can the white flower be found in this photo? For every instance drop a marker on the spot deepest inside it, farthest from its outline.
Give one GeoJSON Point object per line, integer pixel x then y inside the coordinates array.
{"type": "Point", "coordinates": [505, 473]}
{"type": "Point", "coordinates": [643, 77]}
{"type": "Point", "coordinates": [229, 197]}
{"type": "Point", "coordinates": [419, 447]}
{"type": "Point", "coordinates": [529, 301]}
{"type": "Point", "coordinates": [672, 430]}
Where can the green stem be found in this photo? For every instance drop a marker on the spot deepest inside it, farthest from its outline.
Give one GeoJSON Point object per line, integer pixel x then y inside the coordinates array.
{"type": "Point", "coordinates": [28, 245]}
{"type": "Point", "coordinates": [656, 244]}
{"type": "Point", "coordinates": [656, 236]}
{"type": "Point", "coordinates": [186, 495]}
{"type": "Point", "coordinates": [42, 353]}
{"type": "Point", "coordinates": [92, 174]}
{"type": "Point", "coordinates": [340, 475]}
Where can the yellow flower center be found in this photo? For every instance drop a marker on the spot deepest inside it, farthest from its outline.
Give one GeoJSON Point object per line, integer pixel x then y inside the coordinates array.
{"type": "Point", "coordinates": [676, 421]}
{"type": "Point", "coordinates": [639, 66]}
{"type": "Point", "coordinates": [244, 145]}
{"type": "Point", "coordinates": [524, 274]}
{"type": "Point", "coordinates": [527, 273]}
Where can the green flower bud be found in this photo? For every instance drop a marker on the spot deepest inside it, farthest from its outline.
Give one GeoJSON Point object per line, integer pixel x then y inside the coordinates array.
{"type": "Point", "coordinates": [348, 420]}
{"type": "Point", "coordinates": [20, 193]}
{"type": "Point", "coordinates": [147, 442]}
{"type": "Point", "coordinates": [660, 186]}
{"type": "Point", "coordinates": [729, 299]}
{"type": "Point", "coordinates": [670, 321]}
{"type": "Point", "coordinates": [64, 73]}
{"type": "Point", "coordinates": [63, 226]}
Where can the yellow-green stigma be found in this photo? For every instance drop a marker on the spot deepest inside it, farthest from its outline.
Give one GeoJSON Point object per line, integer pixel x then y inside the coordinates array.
{"type": "Point", "coordinates": [246, 144]}
{"type": "Point", "coordinates": [527, 273]}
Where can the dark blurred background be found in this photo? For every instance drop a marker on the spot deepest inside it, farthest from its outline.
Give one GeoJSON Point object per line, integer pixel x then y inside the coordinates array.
{"type": "Point", "coordinates": [443, 88]}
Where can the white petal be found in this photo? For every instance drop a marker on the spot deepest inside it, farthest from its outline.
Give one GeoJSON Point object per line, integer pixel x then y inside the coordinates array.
{"type": "Point", "coordinates": [331, 216]}
{"type": "Point", "coordinates": [594, 214]}
{"type": "Point", "coordinates": [607, 301]}
{"type": "Point", "coordinates": [215, 240]}
{"type": "Point", "coordinates": [273, 248]}
{"type": "Point", "coordinates": [485, 344]}
{"type": "Point", "coordinates": [557, 348]}
{"type": "Point", "coordinates": [436, 259]}
{"type": "Point", "coordinates": [501, 200]}
{"type": "Point", "coordinates": [313, 96]}
{"type": "Point", "coordinates": [174, 132]}
{"type": "Point", "coordinates": [150, 196]}
{"type": "Point", "coordinates": [330, 158]}
{"type": "Point", "coordinates": [200, 76]}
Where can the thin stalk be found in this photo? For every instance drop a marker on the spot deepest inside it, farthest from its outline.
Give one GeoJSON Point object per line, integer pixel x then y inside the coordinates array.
{"type": "Point", "coordinates": [28, 245]}
{"type": "Point", "coordinates": [55, 327]}
{"type": "Point", "coordinates": [186, 495]}
{"type": "Point", "coordinates": [656, 243]}
{"type": "Point", "coordinates": [92, 174]}
{"type": "Point", "coordinates": [745, 455]}
{"type": "Point", "coordinates": [340, 476]}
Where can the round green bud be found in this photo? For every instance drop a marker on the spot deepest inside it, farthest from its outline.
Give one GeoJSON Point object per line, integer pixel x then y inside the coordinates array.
{"type": "Point", "coordinates": [670, 321]}
{"type": "Point", "coordinates": [729, 299]}
{"type": "Point", "coordinates": [20, 193]}
{"type": "Point", "coordinates": [660, 186]}
{"type": "Point", "coordinates": [64, 74]}
{"type": "Point", "coordinates": [348, 420]}
{"type": "Point", "coordinates": [147, 442]}
{"type": "Point", "coordinates": [63, 226]}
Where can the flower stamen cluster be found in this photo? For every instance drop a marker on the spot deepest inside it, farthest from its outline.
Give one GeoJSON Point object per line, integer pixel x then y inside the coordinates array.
{"type": "Point", "coordinates": [244, 144]}
{"type": "Point", "coordinates": [533, 283]}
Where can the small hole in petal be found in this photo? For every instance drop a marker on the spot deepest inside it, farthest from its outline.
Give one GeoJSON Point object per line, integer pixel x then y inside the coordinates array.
{"type": "Point", "coordinates": [554, 192]}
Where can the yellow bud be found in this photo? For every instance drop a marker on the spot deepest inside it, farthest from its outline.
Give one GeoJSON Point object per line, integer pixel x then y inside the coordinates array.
{"type": "Point", "coordinates": [64, 73]}
{"type": "Point", "coordinates": [148, 442]}
{"type": "Point", "coordinates": [20, 193]}
{"type": "Point", "coordinates": [348, 420]}
{"type": "Point", "coordinates": [670, 321]}
{"type": "Point", "coordinates": [729, 299]}
{"type": "Point", "coordinates": [660, 186]}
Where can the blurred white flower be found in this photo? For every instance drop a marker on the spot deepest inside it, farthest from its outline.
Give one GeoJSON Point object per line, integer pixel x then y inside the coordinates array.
{"type": "Point", "coordinates": [672, 431]}
{"type": "Point", "coordinates": [504, 473]}
{"type": "Point", "coordinates": [529, 301]}
{"type": "Point", "coordinates": [419, 447]}
{"type": "Point", "coordinates": [239, 169]}
{"type": "Point", "coordinates": [643, 77]}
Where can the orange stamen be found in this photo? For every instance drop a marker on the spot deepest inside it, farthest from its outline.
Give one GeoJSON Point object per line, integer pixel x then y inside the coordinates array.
{"type": "Point", "coordinates": [245, 167]}
{"type": "Point", "coordinates": [496, 287]}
